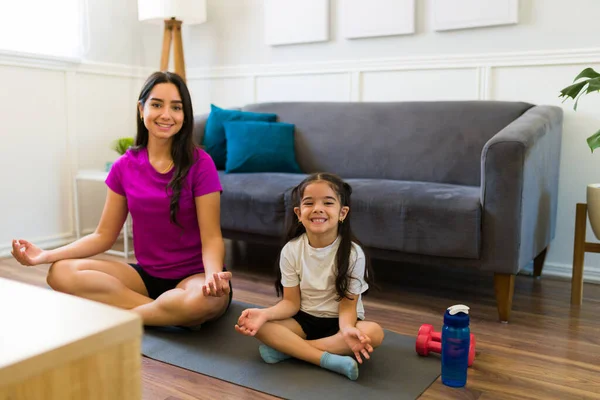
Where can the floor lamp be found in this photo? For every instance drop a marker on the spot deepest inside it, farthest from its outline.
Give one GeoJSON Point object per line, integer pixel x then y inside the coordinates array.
{"type": "Point", "coordinates": [173, 13]}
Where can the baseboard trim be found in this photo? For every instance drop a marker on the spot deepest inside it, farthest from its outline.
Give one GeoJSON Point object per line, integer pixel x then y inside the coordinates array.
{"type": "Point", "coordinates": [591, 273]}
{"type": "Point", "coordinates": [53, 241]}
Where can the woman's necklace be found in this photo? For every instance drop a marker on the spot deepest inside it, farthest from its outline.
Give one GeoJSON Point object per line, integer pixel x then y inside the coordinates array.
{"type": "Point", "coordinates": [168, 168]}
{"type": "Point", "coordinates": [164, 171]}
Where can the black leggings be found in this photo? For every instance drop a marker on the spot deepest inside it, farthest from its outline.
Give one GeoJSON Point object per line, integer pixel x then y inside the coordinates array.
{"type": "Point", "coordinates": [157, 286]}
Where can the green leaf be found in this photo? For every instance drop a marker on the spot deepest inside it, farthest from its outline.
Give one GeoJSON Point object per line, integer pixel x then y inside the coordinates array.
{"type": "Point", "coordinates": [573, 90]}
{"type": "Point", "coordinates": [121, 145]}
{"type": "Point", "coordinates": [594, 141]}
{"type": "Point", "coordinates": [594, 85]}
{"type": "Point", "coordinates": [587, 73]}
{"type": "Point", "coordinates": [576, 90]}
{"type": "Point", "coordinates": [577, 100]}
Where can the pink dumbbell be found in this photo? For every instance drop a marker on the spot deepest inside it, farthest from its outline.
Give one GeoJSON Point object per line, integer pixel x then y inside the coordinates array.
{"type": "Point", "coordinates": [429, 340]}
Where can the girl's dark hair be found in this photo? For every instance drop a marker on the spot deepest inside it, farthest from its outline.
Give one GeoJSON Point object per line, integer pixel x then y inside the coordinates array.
{"type": "Point", "coordinates": [183, 147]}
{"type": "Point", "coordinates": [295, 229]}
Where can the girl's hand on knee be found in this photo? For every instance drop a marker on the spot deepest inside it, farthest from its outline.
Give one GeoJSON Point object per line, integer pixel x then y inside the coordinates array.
{"type": "Point", "coordinates": [217, 284]}
{"type": "Point", "coordinates": [27, 253]}
{"type": "Point", "coordinates": [358, 342]}
{"type": "Point", "coordinates": [250, 322]}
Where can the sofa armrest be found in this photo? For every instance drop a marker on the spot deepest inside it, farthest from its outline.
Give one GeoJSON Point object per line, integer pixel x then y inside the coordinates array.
{"type": "Point", "coordinates": [199, 126]}
{"type": "Point", "coordinates": [519, 189]}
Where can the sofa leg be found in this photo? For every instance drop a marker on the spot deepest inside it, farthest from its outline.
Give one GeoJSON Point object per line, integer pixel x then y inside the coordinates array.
{"type": "Point", "coordinates": [504, 286]}
{"type": "Point", "coordinates": [538, 263]}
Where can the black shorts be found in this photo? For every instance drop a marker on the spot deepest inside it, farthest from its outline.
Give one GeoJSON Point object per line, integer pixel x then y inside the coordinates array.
{"type": "Point", "coordinates": [157, 286]}
{"type": "Point", "coordinates": [317, 327]}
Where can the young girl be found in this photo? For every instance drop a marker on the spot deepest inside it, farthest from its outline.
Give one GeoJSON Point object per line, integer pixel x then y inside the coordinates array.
{"type": "Point", "coordinates": [172, 190]}
{"type": "Point", "coordinates": [322, 273]}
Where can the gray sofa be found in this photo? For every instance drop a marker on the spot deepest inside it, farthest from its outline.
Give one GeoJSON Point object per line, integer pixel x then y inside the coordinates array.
{"type": "Point", "coordinates": [457, 183]}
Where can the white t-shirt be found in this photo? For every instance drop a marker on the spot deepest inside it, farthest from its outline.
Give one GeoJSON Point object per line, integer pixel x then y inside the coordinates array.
{"type": "Point", "coordinates": [314, 270]}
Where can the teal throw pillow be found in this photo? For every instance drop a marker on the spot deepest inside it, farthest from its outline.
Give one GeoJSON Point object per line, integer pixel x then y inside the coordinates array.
{"type": "Point", "coordinates": [214, 132]}
{"type": "Point", "coordinates": [254, 146]}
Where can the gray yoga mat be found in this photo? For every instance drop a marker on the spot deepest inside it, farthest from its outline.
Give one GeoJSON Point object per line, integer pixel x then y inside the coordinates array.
{"type": "Point", "coordinates": [395, 371]}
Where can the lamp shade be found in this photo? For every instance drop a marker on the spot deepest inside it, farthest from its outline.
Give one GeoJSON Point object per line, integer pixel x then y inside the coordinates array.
{"type": "Point", "coordinates": [189, 11]}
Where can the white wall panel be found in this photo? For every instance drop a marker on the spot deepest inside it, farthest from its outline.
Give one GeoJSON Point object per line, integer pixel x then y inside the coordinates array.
{"type": "Point", "coordinates": [293, 22]}
{"type": "Point", "coordinates": [222, 92]}
{"type": "Point", "coordinates": [313, 87]}
{"type": "Point", "coordinates": [34, 203]}
{"type": "Point", "coordinates": [415, 85]}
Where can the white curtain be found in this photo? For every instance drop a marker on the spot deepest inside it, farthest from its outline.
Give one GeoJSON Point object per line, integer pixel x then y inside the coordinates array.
{"type": "Point", "coordinates": [56, 28]}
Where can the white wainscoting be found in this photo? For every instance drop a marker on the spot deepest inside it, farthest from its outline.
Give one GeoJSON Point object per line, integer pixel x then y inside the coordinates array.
{"type": "Point", "coordinates": [224, 92]}
{"type": "Point", "coordinates": [83, 107]}
{"type": "Point", "coordinates": [34, 146]}
{"type": "Point", "coordinates": [309, 87]}
{"type": "Point", "coordinates": [420, 85]}
{"type": "Point", "coordinates": [59, 116]}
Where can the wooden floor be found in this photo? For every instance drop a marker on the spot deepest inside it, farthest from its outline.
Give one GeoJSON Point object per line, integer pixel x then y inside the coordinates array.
{"type": "Point", "coordinates": [549, 350]}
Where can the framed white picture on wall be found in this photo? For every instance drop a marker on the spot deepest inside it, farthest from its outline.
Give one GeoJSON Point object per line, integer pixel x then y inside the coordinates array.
{"type": "Point", "coordinates": [372, 18]}
{"type": "Point", "coordinates": [296, 21]}
{"type": "Point", "coordinates": [465, 14]}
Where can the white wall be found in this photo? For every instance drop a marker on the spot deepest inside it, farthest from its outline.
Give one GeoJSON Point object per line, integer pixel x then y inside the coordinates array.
{"type": "Point", "coordinates": [78, 110]}
{"type": "Point", "coordinates": [228, 64]}
{"type": "Point", "coordinates": [117, 37]}
{"type": "Point", "coordinates": [65, 121]}
{"type": "Point", "coordinates": [59, 117]}
{"type": "Point", "coordinates": [234, 35]}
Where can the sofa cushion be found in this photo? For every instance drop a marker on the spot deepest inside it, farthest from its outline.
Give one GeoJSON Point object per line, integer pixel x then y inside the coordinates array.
{"type": "Point", "coordinates": [417, 217]}
{"type": "Point", "coordinates": [254, 202]}
{"type": "Point", "coordinates": [257, 146]}
{"type": "Point", "coordinates": [214, 139]}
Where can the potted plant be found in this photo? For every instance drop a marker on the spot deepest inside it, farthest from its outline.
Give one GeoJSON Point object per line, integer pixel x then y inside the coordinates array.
{"type": "Point", "coordinates": [588, 81]}
{"type": "Point", "coordinates": [120, 146]}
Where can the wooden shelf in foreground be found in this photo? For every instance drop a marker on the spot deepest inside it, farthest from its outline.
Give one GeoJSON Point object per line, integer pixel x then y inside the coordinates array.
{"type": "Point", "coordinates": [58, 346]}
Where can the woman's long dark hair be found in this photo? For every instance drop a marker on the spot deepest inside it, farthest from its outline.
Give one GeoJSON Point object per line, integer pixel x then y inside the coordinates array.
{"type": "Point", "coordinates": [183, 147]}
{"type": "Point", "coordinates": [295, 229]}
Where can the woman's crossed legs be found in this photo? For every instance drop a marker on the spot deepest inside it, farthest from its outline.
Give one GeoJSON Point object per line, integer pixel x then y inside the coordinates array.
{"type": "Point", "coordinates": [119, 284]}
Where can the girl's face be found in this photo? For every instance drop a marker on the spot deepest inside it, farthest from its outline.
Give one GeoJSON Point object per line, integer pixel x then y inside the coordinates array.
{"type": "Point", "coordinates": [320, 211]}
{"type": "Point", "coordinates": [163, 111]}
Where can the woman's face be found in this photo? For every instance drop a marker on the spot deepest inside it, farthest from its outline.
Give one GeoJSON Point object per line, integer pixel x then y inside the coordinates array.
{"type": "Point", "coordinates": [163, 111]}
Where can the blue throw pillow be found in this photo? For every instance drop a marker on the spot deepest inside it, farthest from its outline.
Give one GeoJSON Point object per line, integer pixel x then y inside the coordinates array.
{"type": "Point", "coordinates": [214, 132]}
{"type": "Point", "coordinates": [254, 146]}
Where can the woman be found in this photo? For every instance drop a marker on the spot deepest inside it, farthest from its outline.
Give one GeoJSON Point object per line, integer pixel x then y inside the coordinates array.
{"type": "Point", "coordinates": [172, 190]}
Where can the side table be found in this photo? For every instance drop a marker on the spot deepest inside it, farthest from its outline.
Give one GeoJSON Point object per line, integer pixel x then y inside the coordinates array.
{"type": "Point", "coordinates": [580, 247]}
{"type": "Point", "coordinates": [56, 346]}
{"type": "Point", "coordinates": [98, 176]}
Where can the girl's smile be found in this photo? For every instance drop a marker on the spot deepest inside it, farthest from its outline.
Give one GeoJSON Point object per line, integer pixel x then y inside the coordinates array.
{"type": "Point", "coordinates": [320, 212]}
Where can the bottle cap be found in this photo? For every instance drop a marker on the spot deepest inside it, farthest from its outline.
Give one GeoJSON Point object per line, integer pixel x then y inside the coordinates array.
{"type": "Point", "coordinates": [457, 316]}
{"type": "Point", "coordinates": [453, 310]}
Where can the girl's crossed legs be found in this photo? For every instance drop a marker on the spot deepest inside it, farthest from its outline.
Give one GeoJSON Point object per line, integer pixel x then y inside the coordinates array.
{"type": "Point", "coordinates": [289, 340]}
{"type": "Point", "coordinates": [119, 284]}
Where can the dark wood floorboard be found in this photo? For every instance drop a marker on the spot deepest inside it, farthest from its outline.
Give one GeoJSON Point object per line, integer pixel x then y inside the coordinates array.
{"type": "Point", "coordinates": [549, 350]}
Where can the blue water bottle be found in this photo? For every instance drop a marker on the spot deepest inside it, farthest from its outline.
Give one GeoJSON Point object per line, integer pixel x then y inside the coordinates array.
{"type": "Point", "coordinates": [456, 337]}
